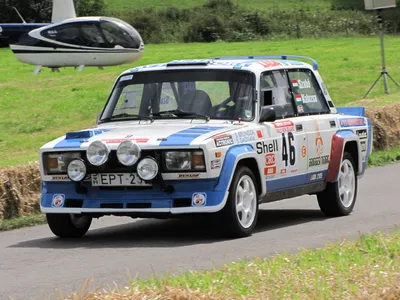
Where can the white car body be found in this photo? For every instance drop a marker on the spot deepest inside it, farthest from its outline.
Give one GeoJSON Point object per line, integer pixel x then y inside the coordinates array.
{"type": "Point", "coordinates": [289, 156]}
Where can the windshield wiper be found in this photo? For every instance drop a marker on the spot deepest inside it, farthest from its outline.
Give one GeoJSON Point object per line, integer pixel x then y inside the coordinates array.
{"type": "Point", "coordinates": [126, 116]}
{"type": "Point", "coordinates": [180, 113]}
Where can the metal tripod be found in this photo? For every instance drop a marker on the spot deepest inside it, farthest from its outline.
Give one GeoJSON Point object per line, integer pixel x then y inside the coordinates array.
{"type": "Point", "coordinates": [384, 72]}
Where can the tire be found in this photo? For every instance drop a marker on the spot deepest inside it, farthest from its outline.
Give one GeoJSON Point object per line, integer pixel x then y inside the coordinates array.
{"type": "Point", "coordinates": [68, 225]}
{"type": "Point", "coordinates": [332, 201]}
{"type": "Point", "coordinates": [233, 223]}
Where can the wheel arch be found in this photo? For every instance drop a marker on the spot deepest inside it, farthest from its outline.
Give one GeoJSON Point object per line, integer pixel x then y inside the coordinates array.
{"type": "Point", "coordinates": [240, 155]}
{"type": "Point", "coordinates": [343, 140]}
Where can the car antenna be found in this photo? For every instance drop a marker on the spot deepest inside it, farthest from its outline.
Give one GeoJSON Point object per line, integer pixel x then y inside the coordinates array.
{"type": "Point", "coordinates": [23, 21]}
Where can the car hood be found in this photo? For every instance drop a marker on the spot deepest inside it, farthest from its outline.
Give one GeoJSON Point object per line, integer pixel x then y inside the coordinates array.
{"type": "Point", "coordinates": [152, 135]}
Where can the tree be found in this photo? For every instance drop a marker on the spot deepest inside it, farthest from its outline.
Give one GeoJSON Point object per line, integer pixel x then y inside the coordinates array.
{"type": "Point", "coordinates": [39, 11]}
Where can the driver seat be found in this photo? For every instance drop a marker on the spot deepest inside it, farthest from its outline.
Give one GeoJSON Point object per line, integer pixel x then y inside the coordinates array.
{"type": "Point", "coordinates": [197, 101]}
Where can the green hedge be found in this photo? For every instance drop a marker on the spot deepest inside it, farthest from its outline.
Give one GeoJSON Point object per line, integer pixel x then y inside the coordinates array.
{"type": "Point", "coordinates": [226, 21]}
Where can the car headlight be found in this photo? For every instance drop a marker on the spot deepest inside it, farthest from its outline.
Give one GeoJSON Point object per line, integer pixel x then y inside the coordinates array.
{"type": "Point", "coordinates": [128, 153]}
{"type": "Point", "coordinates": [184, 161]}
{"type": "Point", "coordinates": [98, 153]}
{"type": "Point", "coordinates": [76, 170]}
{"type": "Point", "coordinates": [147, 168]}
{"type": "Point", "coordinates": [56, 162]}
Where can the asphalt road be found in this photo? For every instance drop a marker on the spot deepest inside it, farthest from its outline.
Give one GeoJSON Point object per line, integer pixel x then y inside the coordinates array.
{"type": "Point", "coordinates": [33, 262]}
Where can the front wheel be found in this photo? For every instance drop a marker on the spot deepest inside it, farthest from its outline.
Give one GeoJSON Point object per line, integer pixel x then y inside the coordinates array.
{"type": "Point", "coordinates": [339, 198]}
{"type": "Point", "coordinates": [68, 225]}
{"type": "Point", "coordinates": [239, 216]}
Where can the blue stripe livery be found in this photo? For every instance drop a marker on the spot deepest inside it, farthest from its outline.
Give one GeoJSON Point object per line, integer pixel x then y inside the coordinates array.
{"type": "Point", "coordinates": [75, 139]}
{"type": "Point", "coordinates": [290, 182]}
{"type": "Point", "coordinates": [186, 136]}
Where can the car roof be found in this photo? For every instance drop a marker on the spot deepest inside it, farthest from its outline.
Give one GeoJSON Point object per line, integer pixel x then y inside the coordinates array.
{"type": "Point", "coordinates": [255, 64]}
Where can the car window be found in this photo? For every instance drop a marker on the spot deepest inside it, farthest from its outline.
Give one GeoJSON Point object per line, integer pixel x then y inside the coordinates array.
{"type": "Point", "coordinates": [308, 94]}
{"type": "Point", "coordinates": [218, 94]}
{"type": "Point", "coordinates": [275, 92]}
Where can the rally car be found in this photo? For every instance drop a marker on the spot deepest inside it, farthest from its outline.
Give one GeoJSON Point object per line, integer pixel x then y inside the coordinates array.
{"type": "Point", "coordinates": [214, 136]}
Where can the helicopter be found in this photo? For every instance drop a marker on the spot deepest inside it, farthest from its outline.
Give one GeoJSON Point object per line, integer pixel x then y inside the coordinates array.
{"type": "Point", "coordinates": [71, 41]}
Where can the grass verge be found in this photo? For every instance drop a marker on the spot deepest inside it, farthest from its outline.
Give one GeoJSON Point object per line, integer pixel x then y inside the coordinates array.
{"type": "Point", "coordinates": [381, 158]}
{"type": "Point", "coordinates": [9, 224]}
{"type": "Point", "coordinates": [365, 269]}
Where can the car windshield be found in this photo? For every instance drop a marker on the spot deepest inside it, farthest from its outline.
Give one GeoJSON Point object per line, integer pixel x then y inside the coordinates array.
{"type": "Point", "coordinates": [215, 94]}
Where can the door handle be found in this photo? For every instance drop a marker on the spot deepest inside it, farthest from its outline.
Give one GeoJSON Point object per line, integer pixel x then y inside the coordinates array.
{"type": "Point", "coordinates": [299, 127]}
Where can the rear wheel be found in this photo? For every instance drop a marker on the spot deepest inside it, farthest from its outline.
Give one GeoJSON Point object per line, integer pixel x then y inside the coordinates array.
{"type": "Point", "coordinates": [240, 213]}
{"type": "Point", "coordinates": [339, 198]}
{"type": "Point", "coordinates": [68, 225]}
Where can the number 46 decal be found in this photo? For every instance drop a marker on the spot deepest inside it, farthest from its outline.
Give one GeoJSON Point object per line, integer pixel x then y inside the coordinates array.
{"type": "Point", "coordinates": [291, 157]}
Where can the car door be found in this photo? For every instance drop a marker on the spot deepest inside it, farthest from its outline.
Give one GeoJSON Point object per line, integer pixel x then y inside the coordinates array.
{"type": "Point", "coordinates": [288, 168]}
{"type": "Point", "coordinates": [318, 124]}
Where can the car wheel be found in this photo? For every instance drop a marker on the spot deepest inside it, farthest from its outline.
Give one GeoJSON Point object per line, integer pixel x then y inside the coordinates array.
{"type": "Point", "coordinates": [240, 213]}
{"type": "Point", "coordinates": [68, 225]}
{"type": "Point", "coordinates": [339, 198]}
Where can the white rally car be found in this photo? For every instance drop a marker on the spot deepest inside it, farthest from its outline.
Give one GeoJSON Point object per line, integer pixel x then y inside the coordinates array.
{"type": "Point", "coordinates": [214, 136]}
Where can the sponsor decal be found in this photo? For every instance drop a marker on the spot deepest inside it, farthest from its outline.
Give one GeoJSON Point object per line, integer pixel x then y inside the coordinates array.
{"type": "Point", "coordinates": [298, 98]}
{"type": "Point", "coordinates": [293, 171]}
{"type": "Point", "coordinates": [284, 126]}
{"type": "Point", "coordinates": [245, 136]}
{"type": "Point", "coordinates": [316, 176]}
{"type": "Point", "coordinates": [319, 142]}
{"type": "Point", "coordinates": [259, 134]}
{"type": "Point", "coordinates": [300, 109]}
{"type": "Point", "coordinates": [267, 147]}
{"type": "Point", "coordinates": [269, 171]}
{"type": "Point", "coordinates": [309, 98]}
{"type": "Point", "coordinates": [222, 141]}
{"type": "Point", "coordinates": [270, 159]}
{"type": "Point", "coordinates": [216, 164]}
{"type": "Point", "coordinates": [164, 100]}
{"type": "Point", "coordinates": [283, 172]}
{"type": "Point", "coordinates": [188, 175]}
{"type": "Point", "coordinates": [199, 199]}
{"type": "Point", "coordinates": [304, 84]}
{"type": "Point", "coordinates": [269, 64]}
{"type": "Point", "coordinates": [295, 84]}
{"type": "Point", "coordinates": [363, 146]}
{"type": "Point", "coordinates": [118, 141]}
{"type": "Point", "coordinates": [319, 145]}
{"type": "Point", "coordinates": [58, 200]}
{"type": "Point", "coordinates": [318, 161]}
{"type": "Point", "coordinates": [362, 134]}
{"type": "Point", "coordinates": [303, 151]}
{"type": "Point", "coordinates": [352, 122]}
{"type": "Point", "coordinates": [161, 139]}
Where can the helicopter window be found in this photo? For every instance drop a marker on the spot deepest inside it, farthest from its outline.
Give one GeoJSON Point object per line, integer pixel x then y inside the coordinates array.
{"type": "Point", "coordinates": [66, 33]}
{"type": "Point", "coordinates": [116, 36]}
{"type": "Point", "coordinates": [91, 35]}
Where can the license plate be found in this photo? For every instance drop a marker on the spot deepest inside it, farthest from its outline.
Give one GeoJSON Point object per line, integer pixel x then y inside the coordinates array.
{"type": "Point", "coordinates": [118, 179]}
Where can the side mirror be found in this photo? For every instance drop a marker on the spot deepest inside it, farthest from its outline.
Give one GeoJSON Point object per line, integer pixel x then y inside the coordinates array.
{"type": "Point", "coordinates": [268, 114]}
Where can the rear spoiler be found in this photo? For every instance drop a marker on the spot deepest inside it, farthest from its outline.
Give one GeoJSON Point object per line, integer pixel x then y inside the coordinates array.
{"type": "Point", "coordinates": [352, 111]}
